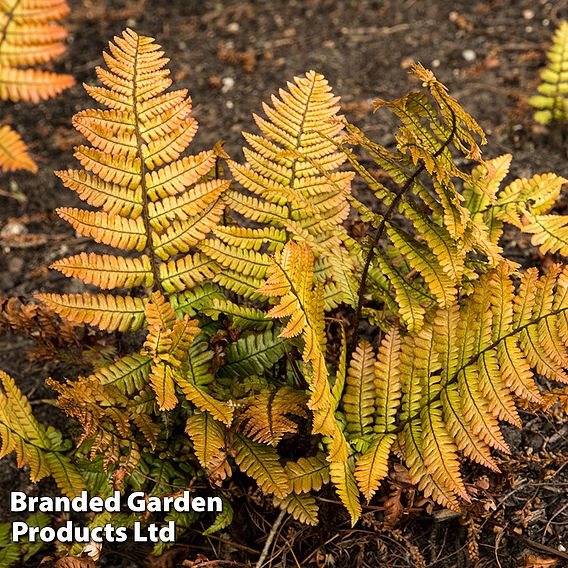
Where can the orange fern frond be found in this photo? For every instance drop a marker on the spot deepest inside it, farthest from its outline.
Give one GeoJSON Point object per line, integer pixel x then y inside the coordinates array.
{"type": "Point", "coordinates": [29, 36]}
{"type": "Point", "coordinates": [155, 203]}
{"type": "Point", "coordinates": [13, 152]}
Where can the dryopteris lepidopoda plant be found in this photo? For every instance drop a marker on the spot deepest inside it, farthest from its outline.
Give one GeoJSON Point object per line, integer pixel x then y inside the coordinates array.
{"type": "Point", "coordinates": [464, 329]}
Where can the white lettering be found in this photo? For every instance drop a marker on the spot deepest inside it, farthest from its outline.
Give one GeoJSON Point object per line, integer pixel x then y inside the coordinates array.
{"type": "Point", "coordinates": [112, 504]}
{"type": "Point", "coordinates": [47, 534]}
{"type": "Point", "coordinates": [137, 502]}
{"type": "Point", "coordinates": [17, 501]}
{"type": "Point", "coordinates": [198, 504]}
{"type": "Point", "coordinates": [19, 529]}
{"type": "Point", "coordinates": [168, 533]}
{"type": "Point", "coordinates": [96, 505]}
{"type": "Point", "coordinates": [214, 504]}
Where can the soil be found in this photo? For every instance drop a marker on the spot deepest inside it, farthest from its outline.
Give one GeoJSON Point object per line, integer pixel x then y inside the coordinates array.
{"type": "Point", "coordinates": [232, 55]}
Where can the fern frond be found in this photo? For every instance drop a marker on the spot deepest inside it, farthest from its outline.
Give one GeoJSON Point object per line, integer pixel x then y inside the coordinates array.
{"type": "Point", "coordinates": [265, 417]}
{"type": "Point", "coordinates": [154, 202]}
{"type": "Point", "coordinates": [290, 279]}
{"type": "Point", "coordinates": [253, 354]}
{"type": "Point", "coordinates": [341, 473]}
{"type": "Point", "coordinates": [29, 37]}
{"type": "Point", "coordinates": [31, 85]}
{"type": "Point", "coordinates": [302, 507]}
{"type": "Point", "coordinates": [308, 474]}
{"type": "Point", "coordinates": [460, 374]}
{"type": "Point", "coordinates": [207, 435]}
{"type": "Point", "coordinates": [13, 152]}
{"type": "Point", "coordinates": [107, 271]}
{"type": "Point", "coordinates": [39, 447]}
{"type": "Point", "coordinates": [242, 317]}
{"type": "Point", "coordinates": [109, 420]}
{"type": "Point", "coordinates": [168, 343]}
{"type": "Point", "coordinates": [108, 312]}
{"type": "Point", "coordinates": [205, 402]}
{"type": "Point", "coordinates": [129, 374]}
{"type": "Point", "coordinates": [359, 394]}
{"type": "Point", "coordinates": [291, 184]}
{"type": "Point", "coordinates": [194, 300]}
{"type": "Point", "coordinates": [552, 101]}
{"type": "Point", "coordinates": [372, 466]}
{"type": "Point", "coordinates": [262, 464]}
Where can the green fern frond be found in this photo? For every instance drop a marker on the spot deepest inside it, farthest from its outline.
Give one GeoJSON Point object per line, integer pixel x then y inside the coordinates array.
{"type": "Point", "coordinates": [40, 447]}
{"type": "Point", "coordinates": [552, 101]}
{"type": "Point", "coordinates": [253, 354]}
{"type": "Point", "coordinates": [303, 507]}
{"type": "Point", "coordinates": [262, 464]}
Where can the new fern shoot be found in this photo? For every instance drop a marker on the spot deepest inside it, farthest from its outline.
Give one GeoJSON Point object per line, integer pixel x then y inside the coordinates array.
{"type": "Point", "coordinates": [235, 286]}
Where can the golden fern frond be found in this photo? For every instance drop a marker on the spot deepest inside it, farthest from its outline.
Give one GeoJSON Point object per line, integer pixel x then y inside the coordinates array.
{"type": "Point", "coordinates": [359, 394]}
{"type": "Point", "coordinates": [342, 477]}
{"type": "Point", "coordinates": [265, 417]}
{"type": "Point", "coordinates": [108, 271]}
{"type": "Point", "coordinates": [290, 279]}
{"type": "Point", "coordinates": [154, 202]}
{"type": "Point", "coordinates": [552, 101]}
{"type": "Point", "coordinates": [308, 474]}
{"type": "Point", "coordinates": [525, 203]}
{"type": "Point", "coordinates": [30, 36]}
{"type": "Point", "coordinates": [31, 85]}
{"type": "Point", "coordinates": [303, 507]}
{"type": "Point", "coordinates": [112, 313]}
{"type": "Point", "coordinates": [13, 152]}
{"type": "Point", "coordinates": [291, 184]}
{"type": "Point", "coordinates": [462, 373]}
{"type": "Point", "coordinates": [207, 435]}
{"type": "Point", "coordinates": [425, 264]}
{"type": "Point", "coordinates": [372, 466]}
{"type": "Point", "coordinates": [222, 412]}
{"type": "Point", "coordinates": [167, 343]}
{"type": "Point", "coordinates": [39, 447]}
{"type": "Point", "coordinates": [262, 464]}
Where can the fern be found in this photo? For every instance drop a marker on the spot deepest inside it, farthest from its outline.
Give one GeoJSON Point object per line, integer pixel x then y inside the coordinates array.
{"type": "Point", "coordinates": [153, 201]}
{"type": "Point", "coordinates": [13, 152]}
{"type": "Point", "coordinates": [265, 418]}
{"type": "Point", "coordinates": [253, 354]}
{"type": "Point", "coordinates": [43, 449]}
{"type": "Point", "coordinates": [302, 507]}
{"type": "Point", "coordinates": [29, 36]}
{"type": "Point", "coordinates": [208, 437]}
{"type": "Point", "coordinates": [219, 383]}
{"type": "Point", "coordinates": [552, 101]}
{"type": "Point", "coordinates": [291, 280]}
{"type": "Point", "coordinates": [262, 464]}
{"type": "Point", "coordinates": [291, 186]}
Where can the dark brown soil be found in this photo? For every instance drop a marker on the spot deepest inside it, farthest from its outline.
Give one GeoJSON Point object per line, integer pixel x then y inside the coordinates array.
{"type": "Point", "coordinates": [232, 55]}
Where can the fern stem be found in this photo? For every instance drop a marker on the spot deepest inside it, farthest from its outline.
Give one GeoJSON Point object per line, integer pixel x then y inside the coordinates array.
{"type": "Point", "coordinates": [149, 250]}
{"type": "Point", "coordinates": [381, 228]}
